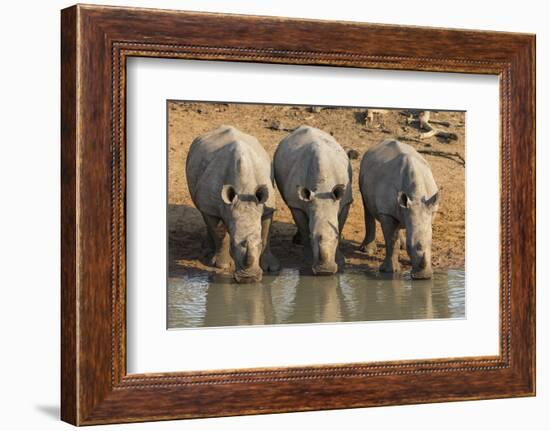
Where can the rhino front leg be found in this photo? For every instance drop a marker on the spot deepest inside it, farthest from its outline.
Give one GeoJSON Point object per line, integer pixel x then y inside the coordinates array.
{"type": "Point", "coordinates": [369, 243]}
{"type": "Point", "coordinates": [300, 218]}
{"type": "Point", "coordinates": [268, 261]}
{"type": "Point", "coordinates": [402, 239]}
{"type": "Point", "coordinates": [220, 257]}
{"type": "Point", "coordinates": [208, 244]}
{"type": "Point", "coordinates": [297, 239]}
{"type": "Point", "coordinates": [342, 217]}
{"type": "Point", "coordinates": [390, 228]}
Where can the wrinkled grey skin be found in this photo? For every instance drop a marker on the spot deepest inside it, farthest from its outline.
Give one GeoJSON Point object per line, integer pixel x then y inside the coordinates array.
{"type": "Point", "coordinates": [313, 174]}
{"type": "Point", "coordinates": [230, 178]}
{"type": "Point", "coordinates": [399, 191]}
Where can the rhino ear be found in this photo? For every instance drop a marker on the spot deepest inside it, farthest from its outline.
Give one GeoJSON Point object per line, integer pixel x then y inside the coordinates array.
{"type": "Point", "coordinates": [304, 193]}
{"type": "Point", "coordinates": [338, 191]}
{"type": "Point", "coordinates": [434, 200]}
{"type": "Point", "coordinates": [403, 200]}
{"type": "Point", "coordinates": [262, 194]}
{"type": "Point", "coordinates": [228, 194]}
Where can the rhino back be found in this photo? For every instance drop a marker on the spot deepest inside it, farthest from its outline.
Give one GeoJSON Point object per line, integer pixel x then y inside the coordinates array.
{"type": "Point", "coordinates": [390, 167]}
{"type": "Point", "coordinates": [311, 158]}
{"type": "Point", "coordinates": [227, 156]}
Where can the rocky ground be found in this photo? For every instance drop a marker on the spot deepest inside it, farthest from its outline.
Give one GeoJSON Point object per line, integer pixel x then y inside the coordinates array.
{"type": "Point", "coordinates": [353, 130]}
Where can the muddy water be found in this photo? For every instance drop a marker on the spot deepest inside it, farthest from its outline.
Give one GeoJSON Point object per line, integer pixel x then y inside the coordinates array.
{"type": "Point", "coordinates": [203, 300]}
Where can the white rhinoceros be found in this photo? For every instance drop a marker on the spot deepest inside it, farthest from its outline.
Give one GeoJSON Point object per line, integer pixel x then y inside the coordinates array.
{"type": "Point", "coordinates": [230, 178]}
{"type": "Point", "coordinates": [399, 191]}
{"type": "Point", "coordinates": [313, 174]}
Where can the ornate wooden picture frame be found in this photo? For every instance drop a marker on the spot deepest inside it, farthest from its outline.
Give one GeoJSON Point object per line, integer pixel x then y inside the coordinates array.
{"type": "Point", "coordinates": [96, 42]}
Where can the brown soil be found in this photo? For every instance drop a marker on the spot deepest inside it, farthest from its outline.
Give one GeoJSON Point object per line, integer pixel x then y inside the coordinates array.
{"type": "Point", "coordinates": [269, 124]}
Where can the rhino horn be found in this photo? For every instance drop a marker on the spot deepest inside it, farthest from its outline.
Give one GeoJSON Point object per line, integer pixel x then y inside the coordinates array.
{"type": "Point", "coordinates": [249, 257]}
{"type": "Point", "coordinates": [423, 262]}
{"type": "Point", "coordinates": [323, 252]}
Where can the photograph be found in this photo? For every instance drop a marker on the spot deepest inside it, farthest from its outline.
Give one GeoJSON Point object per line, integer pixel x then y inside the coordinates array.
{"type": "Point", "coordinates": [302, 214]}
{"type": "Point", "coordinates": [299, 214]}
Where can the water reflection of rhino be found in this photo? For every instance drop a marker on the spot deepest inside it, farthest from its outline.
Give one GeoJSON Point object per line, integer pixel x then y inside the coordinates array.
{"type": "Point", "coordinates": [395, 298]}
{"type": "Point", "coordinates": [291, 298]}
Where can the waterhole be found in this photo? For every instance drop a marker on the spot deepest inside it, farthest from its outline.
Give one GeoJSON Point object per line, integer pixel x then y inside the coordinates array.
{"type": "Point", "coordinates": [201, 299]}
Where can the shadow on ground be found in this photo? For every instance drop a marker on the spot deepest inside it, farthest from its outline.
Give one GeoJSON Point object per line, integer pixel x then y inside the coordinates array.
{"type": "Point", "coordinates": [52, 411]}
{"type": "Point", "coordinates": [186, 253]}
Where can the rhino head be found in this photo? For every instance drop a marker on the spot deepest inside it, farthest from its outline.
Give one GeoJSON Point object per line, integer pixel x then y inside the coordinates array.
{"type": "Point", "coordinates": [417, 215]}
{"type": "Point", "coordinates": [322, 210]}
{"type": "Point", "coordinates": [243, 219]}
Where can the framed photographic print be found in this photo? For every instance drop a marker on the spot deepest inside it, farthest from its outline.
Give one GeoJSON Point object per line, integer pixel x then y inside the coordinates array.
{"type": "Point", "coordinates": [266, 215]}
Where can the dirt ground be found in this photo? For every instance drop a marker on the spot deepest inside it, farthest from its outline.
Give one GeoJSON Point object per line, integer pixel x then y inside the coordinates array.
{"type": "Point", "coordinates": [269, 124]}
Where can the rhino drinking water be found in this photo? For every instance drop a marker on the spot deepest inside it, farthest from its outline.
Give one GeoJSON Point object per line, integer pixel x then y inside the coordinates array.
{"type": "Point", "coordinates": [399, 191]}
{"type": "Point", "coordinates": [313, 174]}
{"type": "Point", "coordinates": [230, 179]}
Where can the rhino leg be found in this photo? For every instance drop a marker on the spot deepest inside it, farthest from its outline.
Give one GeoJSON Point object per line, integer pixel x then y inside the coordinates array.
{"type": "Point", "coordinates": [342, 217]}
{"type": "Point", "coordinates": [208, 244]}
{"type": "Point", "coordinates": [402, 239]}
{"type": "Point", "coordinates": [300, 218]}
{"type": "Point", "coordinates": [220, 257]}
{"type": "Point", "coordinates": [390, 228]}
{"type": "Point", "coordinates": [369, 243]}
{"type": "Point", "coordinates": [268, 261]}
